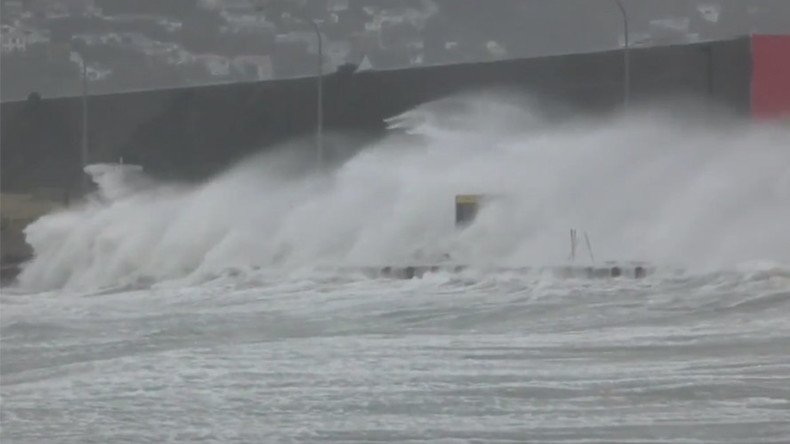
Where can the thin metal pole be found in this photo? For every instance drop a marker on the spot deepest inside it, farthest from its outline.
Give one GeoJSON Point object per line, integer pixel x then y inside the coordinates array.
{"type": "Point", "coordinates": [709, 51]}
{"type": "Point", "coordinates": [84, 150]}
{"type": "Point", "coordinates": [319, 133]}
{"type": "Point", "coordinates": [319, 136]}
{"type": "Point", "coordinates": [626, 56]}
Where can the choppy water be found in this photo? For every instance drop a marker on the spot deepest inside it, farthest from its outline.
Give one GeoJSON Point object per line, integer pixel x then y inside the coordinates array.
{"type": "Point", "coordinates": [176, 348]}
{"type": "Point", "coordinates": [502, 358]}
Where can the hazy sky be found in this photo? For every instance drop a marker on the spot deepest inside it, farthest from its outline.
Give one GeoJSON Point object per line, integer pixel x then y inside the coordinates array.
{"type": "Point", "coordinates": [473, 30]}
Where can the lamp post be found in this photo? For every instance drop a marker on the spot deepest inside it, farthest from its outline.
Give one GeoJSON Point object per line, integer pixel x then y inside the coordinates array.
{"type": "Point", "coordinates": [319, 133]}
{"type": "Point", "coordinates": [626, 56]}
{"type": "Point", "coordinates": [84, 147]}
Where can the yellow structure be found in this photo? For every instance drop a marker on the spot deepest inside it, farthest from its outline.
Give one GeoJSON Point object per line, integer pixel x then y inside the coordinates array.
{"type": "Point", "coordinates": [466, 208]}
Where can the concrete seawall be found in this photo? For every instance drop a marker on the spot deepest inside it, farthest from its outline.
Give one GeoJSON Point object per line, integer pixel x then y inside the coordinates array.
{"type": "Point", "coordinates": [190, 133]}
{"type": "Point", "coordinates": [193, 132]}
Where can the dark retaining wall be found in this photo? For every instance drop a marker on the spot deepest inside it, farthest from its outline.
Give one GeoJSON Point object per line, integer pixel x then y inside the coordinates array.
{"type": "Point", "coordinates": [192, 132]}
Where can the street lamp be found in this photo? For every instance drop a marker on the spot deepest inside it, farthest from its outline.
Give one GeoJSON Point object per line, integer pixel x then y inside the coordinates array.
{"type": "Point", "coordinates": [626, 56]}
{"type": "Point", "coordinates": [319, 134]}
{"type": "Point", "coordinates": [84, 148]}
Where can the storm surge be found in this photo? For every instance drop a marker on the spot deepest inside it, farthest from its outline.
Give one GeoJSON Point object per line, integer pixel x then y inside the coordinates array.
{"type": "Point", "coordinates": [652, 186]}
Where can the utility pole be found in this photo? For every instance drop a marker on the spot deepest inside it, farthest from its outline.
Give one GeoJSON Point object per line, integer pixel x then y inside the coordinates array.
{"type": "Point", "coordinates": [626, 56]}
{"type": "Point", "coordinates": [319, 134]}
{"type": "Point", "coordinates": [84, 148]}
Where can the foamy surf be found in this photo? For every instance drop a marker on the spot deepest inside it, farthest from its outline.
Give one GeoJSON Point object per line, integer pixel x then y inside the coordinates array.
{"type": "Point", "coordinates": [646, 188]}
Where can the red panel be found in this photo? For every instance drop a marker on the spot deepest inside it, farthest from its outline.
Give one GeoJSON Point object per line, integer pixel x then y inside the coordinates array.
{"type": "Point", "coordinates": [771, 76]}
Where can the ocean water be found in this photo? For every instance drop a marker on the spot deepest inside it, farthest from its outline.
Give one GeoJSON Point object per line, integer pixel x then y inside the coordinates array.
{"type": "Point", "coordinates": [224, 312]}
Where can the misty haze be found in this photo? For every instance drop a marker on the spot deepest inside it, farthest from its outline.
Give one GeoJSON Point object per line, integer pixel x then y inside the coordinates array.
{"type": "Point", "coordinates": [241, 221]}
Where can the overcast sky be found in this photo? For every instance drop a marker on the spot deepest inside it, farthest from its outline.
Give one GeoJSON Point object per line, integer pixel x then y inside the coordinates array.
{"type": "Point", "coordinates": [449, 31]}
